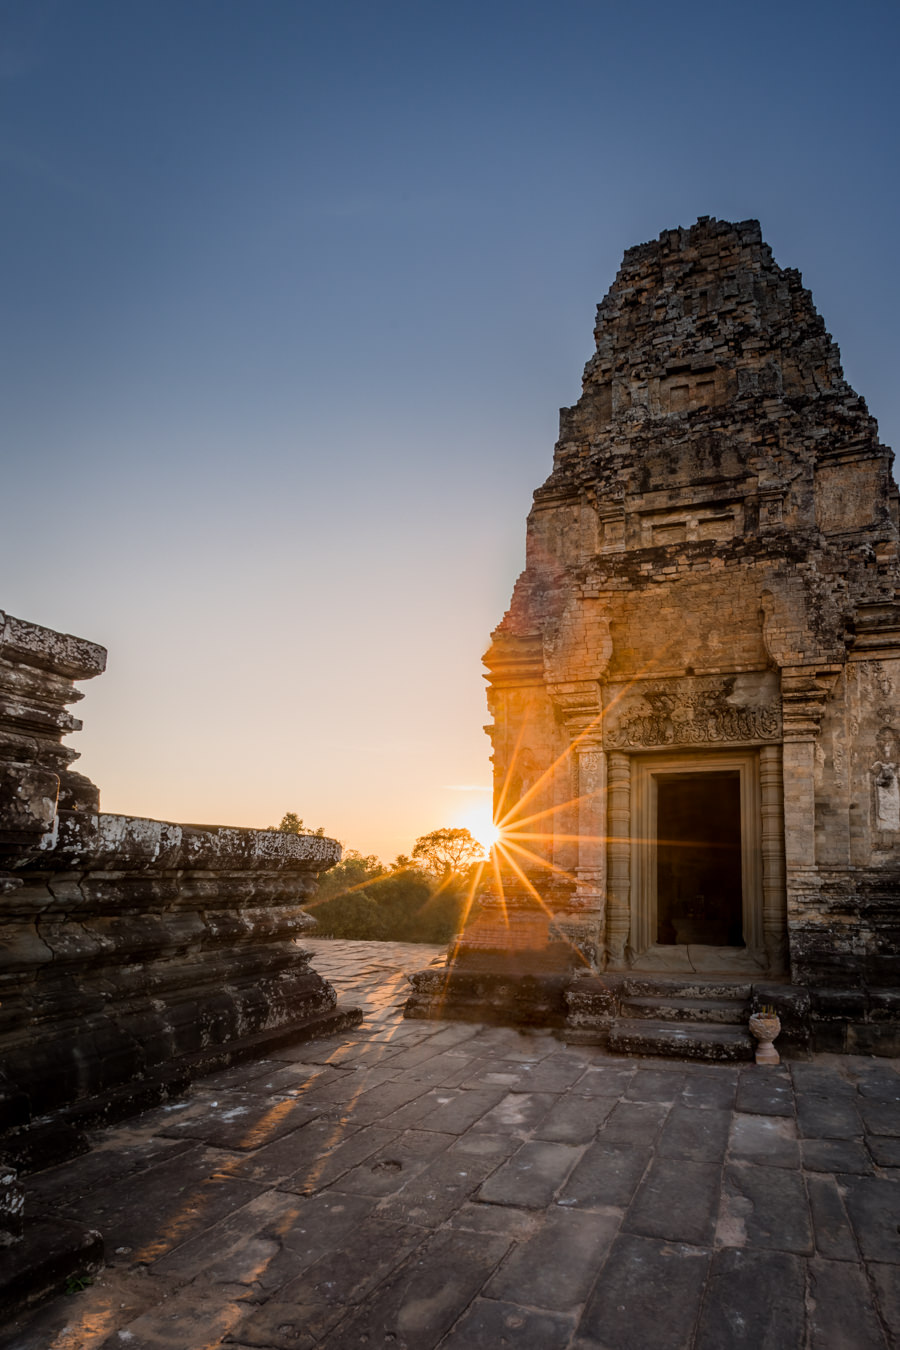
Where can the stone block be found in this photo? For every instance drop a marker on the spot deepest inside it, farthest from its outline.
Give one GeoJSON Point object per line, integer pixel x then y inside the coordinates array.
{"type": "Point", "coordinates": [391, 1167]}
{"type": "Point", "coordinates": [755, 1301]}
{"type": "Point", "coordinates": [873, 1204]}
{"type": "Point", "coordinates": [575, 1120]}
{"type": "Point", "coordinates": [765, 1091]}
{"type": "Point", "coordinates": [520, 1112]}
{"type": "Point", "coordinates": [607, 1175]}
{"type": "Point", "coordinates": [556, 1268]}
{"type": "Point", "coordinates": [532, 1176]}
{"type": "Point", "coordinates": [426, 1294]}
{"type": "Point", "coordinates": [49, 1252]}
{"type": "Point", "coordinates": [311, 1305]}
{"type": "Point", "coordinates": [841, 1312]}
{"type": "Point", "coordinates": [490, 1324]}
{"type": "Point", "coordinates": [886, 1280]}
{"type": "Point", "coordinates": [821, 1117]}
{"type": "Point", "coordinates": [764, 1207]}
{"type": "Point", "coordinates": [835, 1155]}
{"type": "Point", "coordinates": [768, 1140]}
{"type": "Point", "coordinates": [677, 1200]}
{"type": "Point", "coordinates": [650, 1294]}
{"type": "Point", "coordinates": [695, 1136]}
{"type": "Point", "coordinates": [833, 1234]}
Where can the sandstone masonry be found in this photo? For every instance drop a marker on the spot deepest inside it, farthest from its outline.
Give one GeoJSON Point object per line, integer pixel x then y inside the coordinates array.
{"type": "Point", "coordinates": [696, 691]}
{"type": "Point", "coordinates": [134, 954]}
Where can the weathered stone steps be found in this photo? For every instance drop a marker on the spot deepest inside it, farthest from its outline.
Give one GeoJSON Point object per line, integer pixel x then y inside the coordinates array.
{"type": "Point", "coordinates": [710, 1010]}
{"type": "Point", "coordinates": [684, 1040]}
{"type": "Point", "coordinates": [660, 986]}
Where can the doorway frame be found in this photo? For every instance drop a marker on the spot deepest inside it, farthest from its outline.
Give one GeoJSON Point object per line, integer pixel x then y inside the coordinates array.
{"type": "Point", "coordinates": [646, 770]}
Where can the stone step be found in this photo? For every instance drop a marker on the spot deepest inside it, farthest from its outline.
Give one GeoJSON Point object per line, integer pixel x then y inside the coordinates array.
{"type": "Point", "coordinates": [729, 1010]}
{"type": "Point", "coordinates": [681, 1040]}
{"type": "Point", "coordinates": [649, 986]}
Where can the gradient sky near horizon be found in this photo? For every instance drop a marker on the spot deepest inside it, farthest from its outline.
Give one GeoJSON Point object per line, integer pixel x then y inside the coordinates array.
{"type": "Point", "coordinates": [292, 293]}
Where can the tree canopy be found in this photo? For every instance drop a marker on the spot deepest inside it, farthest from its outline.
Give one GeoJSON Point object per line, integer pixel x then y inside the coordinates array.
{"type": "Point", "coordinates": [291, 823]}
{"type": "Point", "coordinates": [447, 850]}
{"type": "Point", "coordinates": [421, 898]}
{"type": "Point", "coordinates": [354, 871]}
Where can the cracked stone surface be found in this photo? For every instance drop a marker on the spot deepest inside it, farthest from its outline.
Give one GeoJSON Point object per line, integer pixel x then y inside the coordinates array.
{"type": "Point", "coordinates": [436, 1184]}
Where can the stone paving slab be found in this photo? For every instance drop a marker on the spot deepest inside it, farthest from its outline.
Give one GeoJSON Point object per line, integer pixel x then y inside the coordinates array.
{"type": "Point", "coordinates": [416, 1185]}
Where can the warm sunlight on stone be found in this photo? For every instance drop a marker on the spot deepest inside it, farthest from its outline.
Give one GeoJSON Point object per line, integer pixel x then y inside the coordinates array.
{"type": "Point", "coordinates": [695, 737]}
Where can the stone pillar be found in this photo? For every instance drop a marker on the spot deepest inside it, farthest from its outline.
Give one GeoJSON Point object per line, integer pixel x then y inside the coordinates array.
{"type": "Point", "coordinates": [619, 885]}
{"type": "Point", "coordinates": [591, 869]}
{"type": "Point", "coordinates": [772, 818]}
{"type": "Point", "coordinates": [586, 923]}
{"type": "Point", "coordinates": [563, 824]}
{"type": "Point", "coordinates": [804, 693]}
{"type": "Point", "coordinates": [578, 703]}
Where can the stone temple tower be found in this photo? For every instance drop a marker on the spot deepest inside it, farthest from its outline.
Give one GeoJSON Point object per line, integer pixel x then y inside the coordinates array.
{"type": "Point", "coordinates": [695, 692]}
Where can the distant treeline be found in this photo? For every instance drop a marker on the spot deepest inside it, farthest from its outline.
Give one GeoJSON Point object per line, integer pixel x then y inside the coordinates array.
{"type": "Point", "coordinates": [422, 898]}
{"type": "Point", "coordinates": [361, 899]}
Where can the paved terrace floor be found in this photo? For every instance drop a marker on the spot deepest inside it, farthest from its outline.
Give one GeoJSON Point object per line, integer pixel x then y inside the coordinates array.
{"type": "Point", "coordinates": [420, 1184]}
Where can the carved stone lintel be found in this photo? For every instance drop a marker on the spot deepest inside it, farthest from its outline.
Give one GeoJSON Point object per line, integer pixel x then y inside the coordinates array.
{"type": "Point", "coordinates": [689, 726]}
{"type": "Point", "coordinates": [680, 713]}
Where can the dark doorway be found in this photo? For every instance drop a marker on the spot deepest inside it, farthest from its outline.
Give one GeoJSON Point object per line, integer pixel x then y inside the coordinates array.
{"type": "Point", "coordinates": [698, 877]}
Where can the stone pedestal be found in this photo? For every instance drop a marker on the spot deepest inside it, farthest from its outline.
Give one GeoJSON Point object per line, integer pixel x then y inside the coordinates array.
{"type": "Point", "coordinates": [511, 964]}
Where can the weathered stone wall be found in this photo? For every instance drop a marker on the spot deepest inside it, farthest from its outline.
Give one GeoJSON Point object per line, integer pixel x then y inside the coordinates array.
{"type": "Point", "coordinates": [712, 570]}
{"type": "Point", "coordinates": [134, 954]}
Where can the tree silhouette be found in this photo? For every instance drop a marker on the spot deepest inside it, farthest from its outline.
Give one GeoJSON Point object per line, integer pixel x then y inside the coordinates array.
{"type": "Point", "coordinates": [292, 824]}
{"type": "Point", "coordinates": [447, 850]}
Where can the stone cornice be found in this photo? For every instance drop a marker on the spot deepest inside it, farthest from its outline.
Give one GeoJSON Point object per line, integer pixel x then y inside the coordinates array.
{"type": "Point", "coordinates": [805, 691]}
{"type": "Point", "coordinates": [32, 645]}
{"type": "Point", "coordinates": [85, 841]}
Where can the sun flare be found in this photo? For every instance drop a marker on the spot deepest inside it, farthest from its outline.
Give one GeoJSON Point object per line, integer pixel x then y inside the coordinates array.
{"type": "Point", "coordinates": [478, 819]}
{"type": "Point", "coordinates": [488, 836]}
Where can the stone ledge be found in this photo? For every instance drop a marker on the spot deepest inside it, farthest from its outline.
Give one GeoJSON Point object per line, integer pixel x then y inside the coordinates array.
{"type": "Point", "coordinates": [59, 1137]}
{"type": "Point", "coordinates": [123, 843]}
{"type": "Point", "coordinates": [62, 653]}
{"type": "Point", "coordinates": [51, 1252]}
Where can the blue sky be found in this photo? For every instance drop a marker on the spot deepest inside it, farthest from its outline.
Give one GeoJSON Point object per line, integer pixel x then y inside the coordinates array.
{"type": "Point", "coordinates": [292, 296]}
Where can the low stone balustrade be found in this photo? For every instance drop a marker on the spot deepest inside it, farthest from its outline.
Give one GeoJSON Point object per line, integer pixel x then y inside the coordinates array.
{"type": "Point", "coordinates": [134, 954]}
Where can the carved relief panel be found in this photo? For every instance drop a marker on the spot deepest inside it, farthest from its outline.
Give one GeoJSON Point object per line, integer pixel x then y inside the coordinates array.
{"type": "Point", "coordinates": [886, 782]}
{"type": "Point", "coordinates": [743, 709]}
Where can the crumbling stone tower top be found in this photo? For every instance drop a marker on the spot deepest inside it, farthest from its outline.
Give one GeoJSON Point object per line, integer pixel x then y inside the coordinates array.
{"type": "Point", "coordinates": [714, 411]}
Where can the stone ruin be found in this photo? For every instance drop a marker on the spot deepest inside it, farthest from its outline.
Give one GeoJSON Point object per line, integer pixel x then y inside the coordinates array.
{"type": "Point", "coordinates": [696, 690]}
{"type": "Point", "coordinates": [135, 954]}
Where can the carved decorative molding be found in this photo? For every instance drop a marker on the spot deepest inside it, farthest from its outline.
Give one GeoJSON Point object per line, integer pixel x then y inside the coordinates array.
{"type": "Point", "coordinates": [737, 710]}
{"type": "Point", "coordinates": [719, 726]}
{"type": "Point", "coordinates": [804, 693]}
{"type": "Point", "coordinates": [578, 702]}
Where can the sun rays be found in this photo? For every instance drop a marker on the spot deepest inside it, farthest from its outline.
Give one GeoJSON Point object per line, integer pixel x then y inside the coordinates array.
{"type": "Point", "coordinates": [543, 854]}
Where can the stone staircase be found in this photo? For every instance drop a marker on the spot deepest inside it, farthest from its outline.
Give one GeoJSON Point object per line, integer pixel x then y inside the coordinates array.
{"type": "Point", "coordinates": [684, 1019]}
